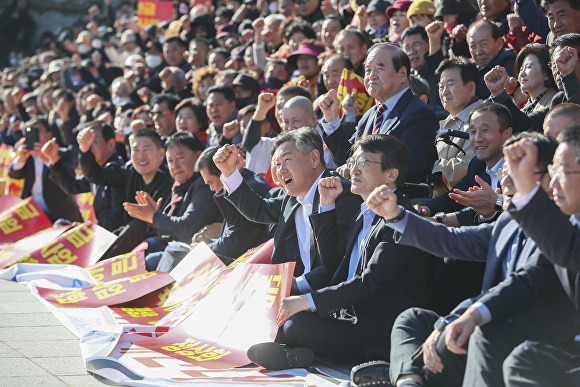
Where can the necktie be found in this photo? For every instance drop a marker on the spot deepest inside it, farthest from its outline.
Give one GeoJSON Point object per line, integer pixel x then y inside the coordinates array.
{"type": "Point", "coordinates": [379, 118]}
{"type": "Point", "coordinates": [517, 248]}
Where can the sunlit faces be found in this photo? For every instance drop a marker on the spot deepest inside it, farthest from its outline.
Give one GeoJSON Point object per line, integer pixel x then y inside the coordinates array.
{"type": "Point", "coordinates": [146, 157]}
{"type": "Point", "coordinates": [280, 102]}
{"type": "Point", "coordinates": [186, 121]}
{"type": "Point", "coordinates": [173, 53]}
{"type": "Point", "coordinates": [490, 9]}
{"type": "Point", "coordinates": [330, 28]}
{"type": "Point", "coordinates": [364, 181]}
{"type": "Point", "coordinates": [347, 45]}
{"type": "Point", "coordinates": [307, 65]}
{"type": "Point", "coordinates": [565, 183]}
{"type": "Point", "coordinates": [531, 77]}
{"type": "Point", "coordinates": [555, 72]}
{"type": "Point", "coordinates": [486, 138]}
{"type": "Point", "coordinates": [296, 40]}
{"type": "Point", "coordinates": [482, 46]}
{"type": "Point", "coordinates": [163, 118]}
{"type": "Point", "coordinates": [415, 47]}
{"type": "Point", "coordinates": [102, 150]}
{"type": "Point", "coordinates": [420, 20]}
{"type": "Point", "coordinates": [381, 80]}
{"type": "Point", "coordinates": [331, 73]}
{"type": "Point", "coordinates": [562, 18]}
{"type": "Point", "coordinates": [217, 60]}
{"type": "Point", "coordinates": [399, 21]}
{"type": "Point", "coordinates": [219, 109]}
{"type": "Point", "coordinates": [454, 94]}
{"type": "Point", "coordinates": [197, 53]}
{"type": "Point", "coordinates": [296, 118]}
{"type": "Point", "coordinates": [181, 162]}
{"type": "Point", "coordinates": [297, 171]}
{"type": "Point", "coordinates": [554, 124]}
{"type": "Point", "coordinates": [508, 188]}
{"type": "Point", "coordinates": [376, 20]}
{"type": "Point", "coordinates": [213, 181]}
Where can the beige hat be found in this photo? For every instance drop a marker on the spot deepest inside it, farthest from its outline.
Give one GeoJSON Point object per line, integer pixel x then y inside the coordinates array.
{"type": "Point", "coordinates": [127, 36]}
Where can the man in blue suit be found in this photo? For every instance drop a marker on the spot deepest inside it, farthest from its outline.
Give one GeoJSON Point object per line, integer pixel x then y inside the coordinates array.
{"type": "Point", "coordinates": [398, 112]}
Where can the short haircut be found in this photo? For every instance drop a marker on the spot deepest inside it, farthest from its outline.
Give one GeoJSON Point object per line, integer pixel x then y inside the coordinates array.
{"type": "Point", "coordinates": [177, 40]}
{"type": "Point", "coordinates": [205, 160]}
{"type": "Point", "coordinates": [337, 18]}
{"type": "Point", "coordinates": [178, 73]}
{"type": "Point", "coordinates": [106, 130]}
{"type": "Point", "coordinates": [542, 52]}
{"type": "Point", "coordinates": [198, 109]}
{"type": "Point", "coordinates": [415, 30]}
{"type": "Point", "coordinates": [222, 51]}
{"type": "Point", "coordinates": [572, 40]}
{"type": "Point", "coordinates": [251, 109]}
{"type": "Point", "coordinates": [399, 57]}
{"type": "Point", "coordinates": [361, 38]}
{"type": "Point", "coordinates": [227, 92]}
{"type": "Point", "coordinates": [67, 94]}
{"type": "Point", "coordinates": [300, 26]}
{"type": "Point", "coordinates": [504, 117]}
{"type": "Point", "coordinates": [467, 69]}
{"type": "Point", "coordinates": [571, 136]}
{"type": "Point", "coordinates": [42, 120]}
{"type": "Point", "coordinates": [570, 110]}
{"type": "Point", "coordinates": [545, 3]}
{"type": "Point", "coordinates": [274, 18]}
{"type": "Point", "coordinates": [495, 33]}
{"type": "Point", "coordinates": [200, 40]}
{"type": "Point", "coordinates": [419, 86]}
{"type": "Point", "coordinates": [186, 140]}
{"type": "Point", "coordinates": [346, 62]}
{"type": "Point", "coordinates": [304, 139]}
{"type": "Point", "coordinates": [546, 146]}
{"type": "Point", "coordinates": [394, 153]}
{"type": "Point", "coordinates": [294, 91]}
{"type": "Point", "coordinates": [170, 99]}
{"type": "Point", "coordinates": [153, 135]}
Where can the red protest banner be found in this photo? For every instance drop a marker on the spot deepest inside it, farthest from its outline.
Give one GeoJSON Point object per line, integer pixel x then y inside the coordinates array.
{"type": "Point", "coordinates": [126, 265]}
{"type": "Point", "coordinates": [215, 333]}
{"type": "Point", "coordinates": [11, 253]}
{"type": "Point", "coordinates": [350, 82]}
{"type": "Point", "coordinates": [154, 12]}
{"type": "Point", "coordinates": [85, 203]}
{"type": "Point", "coordinates": [82, 246]}
{"type": "Point", "coordinates": [23, 219]}
{"type": "Point", "coordinates": [110, 293]}
{"type": "Point", "coordinates": [8, 201]}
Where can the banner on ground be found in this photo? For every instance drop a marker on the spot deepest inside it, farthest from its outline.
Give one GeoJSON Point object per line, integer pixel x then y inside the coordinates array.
{"type": "Point", "coordinates": [349, 83]}
{"type": "Point", "coordinates": [22, 219]}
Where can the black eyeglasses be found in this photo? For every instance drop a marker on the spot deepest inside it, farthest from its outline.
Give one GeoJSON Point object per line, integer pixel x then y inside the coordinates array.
{"type": "Point", "coordinates": [360, 163]}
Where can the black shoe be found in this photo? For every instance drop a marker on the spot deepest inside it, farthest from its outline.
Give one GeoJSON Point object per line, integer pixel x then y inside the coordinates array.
{"type": "Point", "coordinates": [274, 356]}
{"type": "Point", "coordinates": [373, 373]}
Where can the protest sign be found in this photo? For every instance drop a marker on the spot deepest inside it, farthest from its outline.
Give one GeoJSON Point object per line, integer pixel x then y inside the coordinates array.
{"type": "Point", "coordinates": [21, 220]}
{"type": "Point", "coordinates": [349, 83]}
{"type": "Point", "coordinates": [154, 12]}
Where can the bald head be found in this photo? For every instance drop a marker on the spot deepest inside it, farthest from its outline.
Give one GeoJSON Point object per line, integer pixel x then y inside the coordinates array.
{"type": "Point", "coordinates": [297, 113]}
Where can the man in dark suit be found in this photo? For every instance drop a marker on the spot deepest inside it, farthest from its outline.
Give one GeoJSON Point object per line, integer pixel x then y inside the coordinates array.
{"type": "Point", "coordinates": [30, 165]}
{"type": "Point", "coordinates": [541, 362]}
{"type": "Point", "coordinates": [504, 250]}
{"type": "Point", "coordinates": [399, 112]}
{"type": "Point", "coordinates": [489, 127]}
{"type": "Point", "coordinates": [299, 165]}
{"type": "Point", "coordinates": [376, 280]}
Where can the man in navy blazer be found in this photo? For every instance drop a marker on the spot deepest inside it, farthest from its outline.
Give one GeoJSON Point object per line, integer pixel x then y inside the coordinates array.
{"type": "Point", "coordinates": [398, 112]}
{"type": "Point", "coordinates": [504, 250]}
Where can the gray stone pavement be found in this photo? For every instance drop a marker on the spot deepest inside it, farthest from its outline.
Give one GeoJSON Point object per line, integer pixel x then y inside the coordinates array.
{"type": "Point", "coordinates": [35, 349]}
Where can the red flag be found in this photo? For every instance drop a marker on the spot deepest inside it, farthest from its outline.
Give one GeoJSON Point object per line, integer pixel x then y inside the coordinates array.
{"type": "Point", "coordinates": [350, 82]}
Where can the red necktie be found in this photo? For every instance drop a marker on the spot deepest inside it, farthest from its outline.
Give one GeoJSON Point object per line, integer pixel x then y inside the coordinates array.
{"type": "Point", "coordinates": [379, 118]}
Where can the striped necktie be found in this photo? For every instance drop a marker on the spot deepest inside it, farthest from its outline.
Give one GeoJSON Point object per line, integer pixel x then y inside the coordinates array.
{"type": "Point", "coordinates": [379, 118]}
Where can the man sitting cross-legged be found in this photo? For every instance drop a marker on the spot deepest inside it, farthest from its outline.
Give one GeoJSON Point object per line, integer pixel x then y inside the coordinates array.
{"type": "Point", "coordinates": [376, 280]}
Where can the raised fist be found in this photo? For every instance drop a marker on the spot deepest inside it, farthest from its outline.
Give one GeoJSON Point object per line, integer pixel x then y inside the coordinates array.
{"type": "Point", "coordinates": [231, 129]}
{"type": "Point", "coordinates": [330, 106]}
{"type": "Point", "coordinates": [495, 80]}
{"type": "Point", "coordinates": [329, 189]}
{"type": "Point", "coordinates": [226, 159]}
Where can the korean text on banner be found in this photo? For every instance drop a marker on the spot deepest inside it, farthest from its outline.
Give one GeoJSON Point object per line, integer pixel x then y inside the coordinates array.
{"type": "Point", "coordinates": [23, 219]}
{"type": "Point", "coordinates": [154, 12]}
{"type": "Point", "coordinates": [350, 82]}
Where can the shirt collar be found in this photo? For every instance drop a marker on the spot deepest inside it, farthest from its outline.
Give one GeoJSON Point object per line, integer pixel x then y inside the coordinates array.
{"type": "Point", "coordinates": [495, 168]}
{"type": "Point", "coordinates": [391, 102]}
{"type": "Point", "coordinates": [309, 198]}
{"type": "Point", "coordinates": [463, 115]}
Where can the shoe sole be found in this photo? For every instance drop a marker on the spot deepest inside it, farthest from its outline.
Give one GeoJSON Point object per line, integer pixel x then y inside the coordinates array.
{"type": "Point", "coordinates": [275, 357]}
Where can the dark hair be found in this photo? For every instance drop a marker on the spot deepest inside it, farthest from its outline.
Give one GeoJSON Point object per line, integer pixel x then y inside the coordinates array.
{"type": "Point", "coordinates": [304, 139]}
{"type": "Point", "coordinates": [294, 91]}
{"type": "Point", "coordinates": [468, 71]}
{"type": "Point", "coordinates": [394, 153]}
{"type": "Point", "coordinates": [42, 120]}
{"type": "Point", "coordinates": [546, 146]}
{"type": "Point", "coordinates": [495, 33]}
{"type": "Point", "coordinates": [227, 92]}
{"type": "Point", "coordinates": [504, 117]}
{"type": "Point", "coordinates": [198, 109]}
{"type": "Point", "coordinates": [186, 140]}
{"type": "Point", "coordinates": [571, 136]}
{"type": "Point", "coordinates": [153, 135]}
{"type": "Point", "coordinates": [106, 130]}
{"type": "Point", "coordinates": [571, 110]}
{"type": "Point", "coordinates": [572, 40]}
{"type": "Point", "coordinates": [205, 160]}
{"type": "Point", "coordinates": [542, 52]}
{"type": "Point", "coordinates": [169, 99]}
{"type": "Point", "coordinates": [67, 94]}
{"type": "Point", "coordinates": [545, 3]}
{"type": "Point", "coordinates": [361, 38]}
{"type": "Point", "coordinates": [419, 86]}
{"type": "Point", "coordinates": [300, 26]}
{"type": "Point", "coordinates": [414, 30]}
{"type": "Point", "coordinates": [177, 40]}
{"type": "Point", "coordinates": [200, 40]}
{"type": "Point", "coordinates": [337, 18]}
{"type": "Point", "coordinates": [399, 57]}
{"type": "Point", "coordinates": [222, 51]}
{"type": "Point", "coordinates": [346, 62]}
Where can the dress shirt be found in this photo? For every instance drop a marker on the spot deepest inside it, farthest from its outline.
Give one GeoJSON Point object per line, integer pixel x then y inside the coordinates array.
{"type": "Point", "coordinates": [368, 216]}
{"type": "Point", "coordinates": [36, 192]}
{"type": "Point", "coordinates": [493, 173]}
{"type": "Point", "coordinates": [330, 164]}
{"type": "Point", "coordinates": [330, 127]}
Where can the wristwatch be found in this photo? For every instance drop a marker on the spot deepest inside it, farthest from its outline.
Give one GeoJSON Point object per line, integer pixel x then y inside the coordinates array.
{"type": "Point", "coordinates": [440, 324]}
{"type": "Point", "coordinates": [439, 217]}
{"type": "Point", "coordinates": [499, 203]}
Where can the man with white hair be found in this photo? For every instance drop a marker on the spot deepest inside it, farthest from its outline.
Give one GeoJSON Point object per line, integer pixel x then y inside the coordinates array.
{"type": "Point", "coordinates": [173, 81]}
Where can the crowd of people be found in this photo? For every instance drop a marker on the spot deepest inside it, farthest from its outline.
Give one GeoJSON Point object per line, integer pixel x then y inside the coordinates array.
{"type": "Point", "coordinates": [433, 234]}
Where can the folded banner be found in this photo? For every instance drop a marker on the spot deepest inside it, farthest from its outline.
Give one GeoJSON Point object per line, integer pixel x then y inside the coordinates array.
{"type": "Point", "coordinates": [349, 83]}
{"type": "Point", "coordinates": [22, 219]}
{"type": "Point", "coordinates": [8, 201]}
{"type": "Point", "coordinates": [85, 202]}
{"type": "Point", "coordinates": [11, 253]}
{"type": "Point", "coordinates": [126, 265]}
{"type": "Point", "coordinates": [110, 293]}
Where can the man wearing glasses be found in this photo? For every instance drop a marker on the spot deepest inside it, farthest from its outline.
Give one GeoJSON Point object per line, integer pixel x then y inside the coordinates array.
{"type": "Point", "coordinates": [421, 352]}
{"type": "Point", "coordinates": [351, 320]}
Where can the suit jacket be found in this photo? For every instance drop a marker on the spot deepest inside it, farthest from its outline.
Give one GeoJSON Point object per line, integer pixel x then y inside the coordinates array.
{"type": "Point", "coordinates": [281, 210]}
{"type": "Point", "coordinates": [108, 201]}
{"type": "Point", "coordinates": [60, 203]}
{"type": "Point", "coordinates": [197, 210]}
{"type": "Point", "coordinates": [444, 203]}
{"type": "Point", "coordinates": [411, 121]}
{"type": "Point", "coordinates": [389, 279]}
